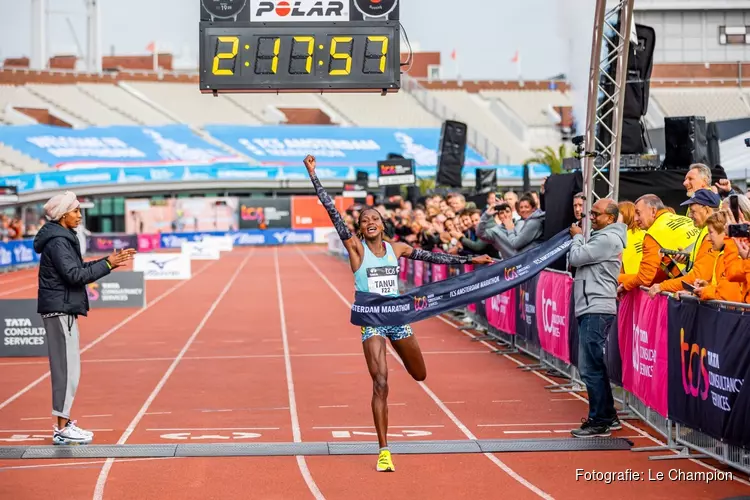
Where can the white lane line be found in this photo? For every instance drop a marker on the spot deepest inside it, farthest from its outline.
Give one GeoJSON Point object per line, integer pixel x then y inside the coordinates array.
{"type": "Point", "coordinates": [553, 424]}
{"type": "Point", "coordinates": [38, 418]}
{"type": "Point", "coordinates": [81, 464]}
{"type": "Point", "coordinates": [8, 292]}
{"type": "Point", "coordinates": [334, 406]}
{"type": "Point", "coordinates": [301, 463]}
{"type": "Point", "coordinates": [643, 434]}
{"type": "Point", "coordinates": [371, 427]}
{"type": "Point", "coordinates": [396, 404]}
{"type": "Point", "coordinates": [102, 479]}
{"type": "Point", "coordinates": [47, 430]}
{"type": "Point", "coordinates": [528, 432]}
{"type": "Point", "coordinates": [465, 430]}
{"type": "Point", "coordinates": [454, 402]}
{"type": "Point", "coordinates": [213, 429]}
{"type": "Point", "coordinates": [507, 401]}
{"type": "Point", "coordinates": [106, 334]}
{"type": "Point", "coordinates": [96, 416]}
{"type": "Point", "coordinates": [158, 413]}
{"type": "Point", "coordinates": [215, 411]}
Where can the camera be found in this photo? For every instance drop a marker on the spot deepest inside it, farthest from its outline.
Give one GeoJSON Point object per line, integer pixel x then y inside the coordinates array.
{"type": "Point", "coordinates": [738, 230]}
{"type": "Point", "coordinates": [747, 142]}
{"type": "Point", "coordinates": [501, 207]}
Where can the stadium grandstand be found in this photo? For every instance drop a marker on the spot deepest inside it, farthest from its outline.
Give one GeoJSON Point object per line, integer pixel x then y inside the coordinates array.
{"type": "Point", "coordinates": [221, 363]}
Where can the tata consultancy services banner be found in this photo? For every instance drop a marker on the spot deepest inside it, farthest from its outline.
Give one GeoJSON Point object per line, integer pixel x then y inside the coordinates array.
{"type": "Point", "coordinates": [117, 145]}
{"type": "Point", "coordinates": [335, 146]}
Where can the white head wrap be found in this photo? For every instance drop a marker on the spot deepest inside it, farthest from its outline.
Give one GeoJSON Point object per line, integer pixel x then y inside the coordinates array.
{"type": "Point", "coordinates": [60, 204]}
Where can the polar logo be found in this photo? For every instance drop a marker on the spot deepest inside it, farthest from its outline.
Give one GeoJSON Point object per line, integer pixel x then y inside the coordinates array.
{"type": "Point", "coordinates": [6, 257]}
{"type": "Point", "coordinates": [301, 10]}
{"type": "Point", "coordinates": [550, 319]}
{"type": "Point", "coordinates": [290, 237]}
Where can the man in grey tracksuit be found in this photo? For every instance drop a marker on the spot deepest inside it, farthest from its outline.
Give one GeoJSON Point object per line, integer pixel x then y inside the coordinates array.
{"type": "Point", "coordinates": [597, 262]}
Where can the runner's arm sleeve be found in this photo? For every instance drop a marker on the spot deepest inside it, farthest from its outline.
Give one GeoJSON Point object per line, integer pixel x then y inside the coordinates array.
{"type": "Point", "coordinates": [437, 258]}
{"type": "Point", "coordinates": [325, 199]}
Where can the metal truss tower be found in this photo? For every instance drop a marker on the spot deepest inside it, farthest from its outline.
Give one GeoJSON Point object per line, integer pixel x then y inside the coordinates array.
{"type": "Point", "coordinates": [606, 97]}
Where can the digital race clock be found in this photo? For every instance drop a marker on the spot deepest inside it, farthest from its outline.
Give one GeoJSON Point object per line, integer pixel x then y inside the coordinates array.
{"type": "Point", "coordinates": [355, 56]}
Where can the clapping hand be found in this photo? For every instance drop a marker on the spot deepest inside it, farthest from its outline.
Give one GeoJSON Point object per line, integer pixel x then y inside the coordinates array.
{"type": "Point", "coordinates": [120, 257]}
{"type": "Point", "coordinates": [743, 247]}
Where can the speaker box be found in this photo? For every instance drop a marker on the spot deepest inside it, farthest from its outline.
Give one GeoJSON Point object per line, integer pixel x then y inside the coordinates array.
{"type": "Point", "coordinates": [632, 142]}
{"type": "Point", "coordinates": [486, 179]}
{"type": "Point", "coordinates": [640, 65]}
{"type": "Point", "coordinates": [451, 153]}
{"type": "Point", "coordinates": [685, 141]}
{"type": "Point", "coordinates": [712, 142]}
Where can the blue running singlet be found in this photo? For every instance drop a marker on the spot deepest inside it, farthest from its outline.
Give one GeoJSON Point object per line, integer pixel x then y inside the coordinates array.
{"type": "Point", "coordinates": [378, 274]}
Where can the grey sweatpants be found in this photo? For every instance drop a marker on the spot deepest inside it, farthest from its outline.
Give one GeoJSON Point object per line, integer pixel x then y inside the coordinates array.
{"type": "Point", "coordinates": [64, 361]}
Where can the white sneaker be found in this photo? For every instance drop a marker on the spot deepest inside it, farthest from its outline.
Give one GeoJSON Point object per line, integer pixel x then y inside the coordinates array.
{"type": "Point", "coordinates": [72, 423]}
{"type": "Point", "coordinates": [69, 435]}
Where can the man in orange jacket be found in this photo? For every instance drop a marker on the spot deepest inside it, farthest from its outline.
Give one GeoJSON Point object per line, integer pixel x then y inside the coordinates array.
{"type": "Point", "coordinates": [718, 286]}
{"type": "Point", "coordinates": [664, 230]}
{"type": "Point", "coordinates": [702, 205]}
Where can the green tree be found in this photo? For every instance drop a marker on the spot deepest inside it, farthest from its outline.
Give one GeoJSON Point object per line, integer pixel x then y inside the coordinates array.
{"type": "Point", "coordinates": [550, 157]}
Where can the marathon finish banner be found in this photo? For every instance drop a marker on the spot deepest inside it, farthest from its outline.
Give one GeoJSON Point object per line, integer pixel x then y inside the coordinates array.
{"type": "Point", "coordinates": [107, 243]}
{"type": "Point", "coordinates": [370, 309]}
{"type": "Point", "coordinates": [709, 361]}
{"type": "Point", "coordinates": [23, 333]}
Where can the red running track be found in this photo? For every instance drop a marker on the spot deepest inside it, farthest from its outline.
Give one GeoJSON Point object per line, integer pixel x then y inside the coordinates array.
{"type": "Point", "coordinates": [258, 347]}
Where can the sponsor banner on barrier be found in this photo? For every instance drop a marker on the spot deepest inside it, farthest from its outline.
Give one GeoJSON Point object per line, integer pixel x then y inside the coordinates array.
{"type": "Point", "coordinates": [23, 330]}
{"type": "Point", "coordinates": [163, 266]}
{"type": "Point", "coordinates": [118, 289]}
{"type": "Point", "coordinates": [526, 311]}
{"type": "Point", "coordinates": [265, 213]}
{"type": "Point", "coordinates": [370, 309]}
{"type": "Point", "coordinates": [201, 250]}
{"type": "Point", "coordinates": [553, 294]}
{"type": "Point", "coordinates": [402, 269]}
{"type": "Point", "coordinates": [642, 332]}
{"type": "Point", "coordinates": [148, 242]}
{"type": "Point", "coordinates": [18, 253]}
{"type": "Point", "coordinates": [223, 243]}
{"type": "Point", "coordinates": [500, 312]}
{"type": "Point", "coordinates": [709, 362]}
{"type": "Point", "coordinates": [247, 237]}
{"type": "Point", "coordinates": [108, 242]}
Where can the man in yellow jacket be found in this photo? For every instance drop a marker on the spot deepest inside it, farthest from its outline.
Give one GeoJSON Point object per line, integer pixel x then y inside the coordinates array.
{"type": "Point", "coordinates": [702, 205]}
{"type": "Point", "coordinates": [664, 230]}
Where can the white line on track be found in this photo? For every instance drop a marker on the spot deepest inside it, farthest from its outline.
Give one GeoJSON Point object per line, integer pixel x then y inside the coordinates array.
{"type": "Point", "coordinates": [301, 463]}
{"type": "Point", "coordinates": [371, 427]}
{"type": "Point", "coordinates": [566, 424]}
{"type": "Point", "coordinates": [38, 418]}
{"type": "Point", "coordinates": [465, 430]}
{"type": "Point", "coordinates": [105, 335]}
{"type": "Point", "coordinates": [48, 430]}
{"type": "Point", "coordinates": [334, 406]}
{"type": "Point", "coordinates": [8, 292]}
{"type": "Point", "coordinates": [82, 464]}
{"type": "Point", "coordinates": [643, 434]}
{"type": "Point", "coordinates": [213, 429]}
{"type": "Point", "coordinates": [101, 481]}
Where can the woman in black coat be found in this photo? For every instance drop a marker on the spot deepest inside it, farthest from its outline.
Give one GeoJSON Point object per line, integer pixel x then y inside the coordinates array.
{"type": "Point", "coordinates": [62, 297]}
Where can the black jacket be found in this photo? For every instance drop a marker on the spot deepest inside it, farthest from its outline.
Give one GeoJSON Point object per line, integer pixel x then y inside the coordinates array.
{"type": "Point", "coordinates": [63, 275]}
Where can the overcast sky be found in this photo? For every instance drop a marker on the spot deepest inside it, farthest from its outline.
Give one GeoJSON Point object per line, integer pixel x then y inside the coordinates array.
{"type": "Point", "coordinates": [485, 36]}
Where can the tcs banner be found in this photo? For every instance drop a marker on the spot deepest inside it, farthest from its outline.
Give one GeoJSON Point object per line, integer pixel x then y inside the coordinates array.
{"type": "Point", "coordinates": [309, 213]}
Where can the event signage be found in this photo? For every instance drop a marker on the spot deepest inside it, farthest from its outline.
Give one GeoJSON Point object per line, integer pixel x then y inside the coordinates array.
{"type": "Point", "coordinates": [118, 289]}
{"type": "Point", "coordinates": [396, 172]}
{"type": "Point", "coordinates": [105, 242]}
{"type": "Point", "coordinates": [526, 310]}
{"type": "Point", "coordinates": [23, 332]}
{"type": "Point", "coordinates": [18, 253]}
{"type": "Point", "coordinates": [642, 330]}
{"type": "Point", "coordinates": [247, 237]}
{"type": "Point", "coordinates": [265, 213]}
{"type": "Point", "coordinates": [553, 294]}
{"type": "Point", "coordinates": [499, 311]}
{"type": "Point", "coordinates": [163, 266]}
{"type": "Point", "coordinates": [370, 309]}
{"type": "Point", "coordinates": [709, 362]}
{"type": "Point", "coordinates": [201, 250]}
{"type": "Point", "coordinates": [223, 243]}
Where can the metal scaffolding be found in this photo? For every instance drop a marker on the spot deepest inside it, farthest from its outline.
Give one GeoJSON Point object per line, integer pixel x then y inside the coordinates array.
{"type": "Point", "coordinates": [606, 97]}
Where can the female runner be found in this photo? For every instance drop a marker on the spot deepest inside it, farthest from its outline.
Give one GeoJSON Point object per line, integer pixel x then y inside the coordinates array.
{"type": "Point", "coordinates": [374, 262]}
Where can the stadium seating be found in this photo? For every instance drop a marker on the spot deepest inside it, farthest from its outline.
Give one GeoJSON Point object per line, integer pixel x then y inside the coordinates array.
{"type": "Point", "coordinates": [125, 103]}
{"type": "Point", "coordinates": [713, 103]}
{"type": "Point", "coordinates": [13, 162]}
{"type": "Point", "coordinates": [82, 106]}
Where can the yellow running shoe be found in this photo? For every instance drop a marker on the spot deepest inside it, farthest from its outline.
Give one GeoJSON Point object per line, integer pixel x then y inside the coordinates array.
{"type": "Point", "coordinates": [385, 464]}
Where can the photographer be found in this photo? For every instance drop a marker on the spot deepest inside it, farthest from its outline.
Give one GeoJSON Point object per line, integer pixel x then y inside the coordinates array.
{"type": "Point", "coordinates": [511, 239]}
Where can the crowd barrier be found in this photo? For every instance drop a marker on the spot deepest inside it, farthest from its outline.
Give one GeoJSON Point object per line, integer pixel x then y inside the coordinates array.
{"type": "Point", "coordinates": [678, 365]}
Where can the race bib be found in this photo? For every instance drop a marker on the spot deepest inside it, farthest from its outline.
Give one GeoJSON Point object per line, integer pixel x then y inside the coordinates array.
{"type": "Point", "coordinates": [383, 280]}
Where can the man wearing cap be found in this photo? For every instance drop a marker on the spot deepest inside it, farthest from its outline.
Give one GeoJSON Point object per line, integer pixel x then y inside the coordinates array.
{"type": "Point", "coordinates": [701, 206]}
{"type": "Point", "coordinates": [664, 230]}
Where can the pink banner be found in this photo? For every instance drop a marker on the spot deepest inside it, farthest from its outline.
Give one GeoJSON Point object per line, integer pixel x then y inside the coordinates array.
{"type": "Point", "coordinates": [642, 331]}
{"type": "Point", "coordinates": [553, 295]}
{"type": "Point", "coordinates": [402, 269]}
{"type": "Point", "coordinates": [439, 272]}
{"type": "Point", "coordinates": [148, 242]}
{"type": "Point", "coordinates": [418, 273]}
{"type": "Point", "coordinates": [501, 312]}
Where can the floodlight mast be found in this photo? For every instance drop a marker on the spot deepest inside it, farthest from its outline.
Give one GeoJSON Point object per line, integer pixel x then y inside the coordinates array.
{"type": "Point", "coordinates": [611, 44]}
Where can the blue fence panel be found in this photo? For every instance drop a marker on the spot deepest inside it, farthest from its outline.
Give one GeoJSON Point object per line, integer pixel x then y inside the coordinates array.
{"type": "Point", "coordinates": [17, 253]}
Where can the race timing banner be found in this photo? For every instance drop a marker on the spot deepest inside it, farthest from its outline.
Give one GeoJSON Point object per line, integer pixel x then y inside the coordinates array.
{"type": "Point", "coordinates": [371, 309]}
